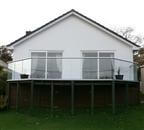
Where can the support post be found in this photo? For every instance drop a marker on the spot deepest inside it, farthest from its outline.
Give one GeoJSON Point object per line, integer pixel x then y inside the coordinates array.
{"type": "Point", "coordinates": [17, 95]}
{"type": "Point", "coordinates": [113, 97]}
{"type": "Point", "coordinates": [127, 102]}
{"type": "Point", "coordinates": [32, 87]}
{"type": "Point", "coordinates": [72, 97]}
{"type": "Point", "coordinates": [8, 94]}
{"type": "Point", "coordinates": [92, 99]}
{"type": "Point", "coordinates": [52, 97]}
{"type": "Point", "coordinates": [138, 85]}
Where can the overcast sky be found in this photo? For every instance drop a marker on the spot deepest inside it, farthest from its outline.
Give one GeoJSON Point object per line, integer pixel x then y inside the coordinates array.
{"type": "Point", "coordinates": [17, 16]}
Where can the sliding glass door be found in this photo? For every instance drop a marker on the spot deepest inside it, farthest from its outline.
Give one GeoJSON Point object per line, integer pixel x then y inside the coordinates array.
{"type": "Point", "coordinates": [46, 65]}
{"type": "Point", "coordinates": [98, 65]}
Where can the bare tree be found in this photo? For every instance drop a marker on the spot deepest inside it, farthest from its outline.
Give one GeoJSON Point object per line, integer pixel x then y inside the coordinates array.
{"type": "Point", "coordinates": [128, 33]}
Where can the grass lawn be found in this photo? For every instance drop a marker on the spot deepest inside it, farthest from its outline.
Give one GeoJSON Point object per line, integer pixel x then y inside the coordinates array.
{"type": "Point", "coordinates": [103, 119]}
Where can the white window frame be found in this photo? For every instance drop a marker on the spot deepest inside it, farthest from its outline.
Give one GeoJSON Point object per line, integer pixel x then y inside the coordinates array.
{"type": "Point", "coordinates": [47, 51]}
{"type": "Point", "coordinates": [98, 52]}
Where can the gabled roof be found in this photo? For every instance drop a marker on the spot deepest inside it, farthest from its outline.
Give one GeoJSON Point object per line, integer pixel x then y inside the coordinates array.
{"type": "Point", "coordinates": [80, 15]}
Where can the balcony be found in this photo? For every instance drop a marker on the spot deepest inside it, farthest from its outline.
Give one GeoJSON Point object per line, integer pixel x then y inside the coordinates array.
{"type": "Point", "coordinates": [72, 69]}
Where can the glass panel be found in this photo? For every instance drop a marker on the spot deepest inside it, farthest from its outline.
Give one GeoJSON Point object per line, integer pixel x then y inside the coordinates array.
{"type": "Point", "coordinates": [10, 70]}
{"type": "Point", "coordinates": [17, 69]}
{"type": "Point", "coordinates": [126, 69]}
{"type": "Point", "coordinates": [106, 69]}
{"type": "Point", "coordinates": [38, 64]}
{"type": "Point", "coordinates": [89, 66]}
{"type": "Point", "coordinates": [106, 65]}
{"type": "Point", "coordinates": [54, 65]}
{"type": "Point", "coordinates": [26, 67]}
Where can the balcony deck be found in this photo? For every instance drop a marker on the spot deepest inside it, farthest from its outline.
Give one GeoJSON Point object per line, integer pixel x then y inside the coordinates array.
{"type": "Point", "coordinates": [95, 81]}
{"type": "Point", "coordinates": [90, 82]}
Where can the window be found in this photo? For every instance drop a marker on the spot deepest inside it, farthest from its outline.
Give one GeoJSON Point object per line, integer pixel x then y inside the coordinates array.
{"type": "Point", "coordinates": [98, 65]}
{"type": "Point", "coordinates": [46, 65]}
{"type": "Point", "coordinates": [38, 64]}
{"type": "Point", "coordinates": [54, 65]}
{"type": "Point", "coordinates": [90, 66]}
{"type": "Point", "coordinates": [106, 64]}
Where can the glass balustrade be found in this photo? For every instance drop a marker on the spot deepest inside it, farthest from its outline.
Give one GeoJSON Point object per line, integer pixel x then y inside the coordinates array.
{"type": "Point", "coordinates": [87, 68]}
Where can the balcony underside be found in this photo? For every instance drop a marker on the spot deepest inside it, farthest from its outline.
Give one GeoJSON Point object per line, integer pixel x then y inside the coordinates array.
{"type": "Point", "coordinates": [76, 81]}
{"type": "Point", "coordinates": [72, 93]}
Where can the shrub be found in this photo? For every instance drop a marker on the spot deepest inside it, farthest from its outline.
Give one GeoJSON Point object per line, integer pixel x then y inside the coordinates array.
{"type": "Point", "coordinates": [3, 84]}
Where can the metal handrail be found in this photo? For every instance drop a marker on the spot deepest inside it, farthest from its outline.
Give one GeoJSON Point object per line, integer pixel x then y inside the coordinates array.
{"type": "Point", "coordinates": [73, 58]}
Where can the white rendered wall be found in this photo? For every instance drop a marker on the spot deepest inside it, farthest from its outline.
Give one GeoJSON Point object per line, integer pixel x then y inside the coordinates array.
{"type": "Point", "coordinates": [72, 35]}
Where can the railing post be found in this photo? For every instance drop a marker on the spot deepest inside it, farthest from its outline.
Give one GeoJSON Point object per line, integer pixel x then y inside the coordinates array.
{"type": "Point", "coordinates": [17, 95]}
{"type": "Point", "coordinates": [32, 87]}
{"type": "Point", "coordinates": [14, 71]}
{"type": "Point", "coordinates": [113, 68]}
{"type": "Point", "coordinates": [22, 67]}
{"type": "Point", "coordinates": [127, 102]}
{"type": "Point", "coordinates": [8, 94]}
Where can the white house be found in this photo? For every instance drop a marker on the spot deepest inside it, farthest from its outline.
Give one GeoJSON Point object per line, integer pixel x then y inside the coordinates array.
{"type": "Point", "coordinates": [73, 46]}
{"type": "Point", "coordinates": [72, 51]}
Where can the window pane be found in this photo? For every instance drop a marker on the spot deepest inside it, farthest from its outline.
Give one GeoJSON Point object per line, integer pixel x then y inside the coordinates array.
{"type": "Point", "coordinates": [90, 66]}
{"type": "Point", "coordinates": [38, 64]}
{"type": "Point", "coordinates": [54, 54]}
{"type": "Point", "coordinates": [107, 54]}
{"type": "Point", "coordinates": [90, 54]}
{"type": "Point", "coordinates": [54, 66]}
{"type": "Point", "coordinates": [106, 65]}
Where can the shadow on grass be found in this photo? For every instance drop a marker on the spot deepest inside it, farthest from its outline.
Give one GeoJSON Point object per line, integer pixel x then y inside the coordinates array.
{"type": "Point", "coordinates": [57, 112]}
{"type": "Point", "coordinates": [131, 118]}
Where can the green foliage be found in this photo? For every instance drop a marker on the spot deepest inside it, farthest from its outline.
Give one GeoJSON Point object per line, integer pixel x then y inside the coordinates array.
{"type": "Point", "coordinates": [5, 54]}
{"type": "Point", "coordinates": [139, 57]}
{"type": "Point", "coordinates": [3, 101]}
{"type": "Point", "coordinates": [3, 83]}
{"type": "Point", "coordinates": [1, 68]}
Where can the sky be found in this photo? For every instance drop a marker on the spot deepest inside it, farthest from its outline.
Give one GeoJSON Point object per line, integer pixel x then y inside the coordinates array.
{"type": "Point", "coordinates": [18, 16]}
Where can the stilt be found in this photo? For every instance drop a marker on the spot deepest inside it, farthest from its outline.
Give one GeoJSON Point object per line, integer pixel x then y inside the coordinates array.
{"type": "Point", "coordinates": [113, 97]}
{"type": "Point", "coordinates": [52, 97]}
{"type": "Point", "coordinates": [72, 97]}
{"type": "Point", "coordinates": [8, 94]}
{"type": "Point", "coordinates": [32, 87]}
{"type": "Point", "coordinates": [17, 95]}
{"type": "Point", "coordinates": [92, 99]}
{"type": "Point", "coordinates": [126, 99]}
